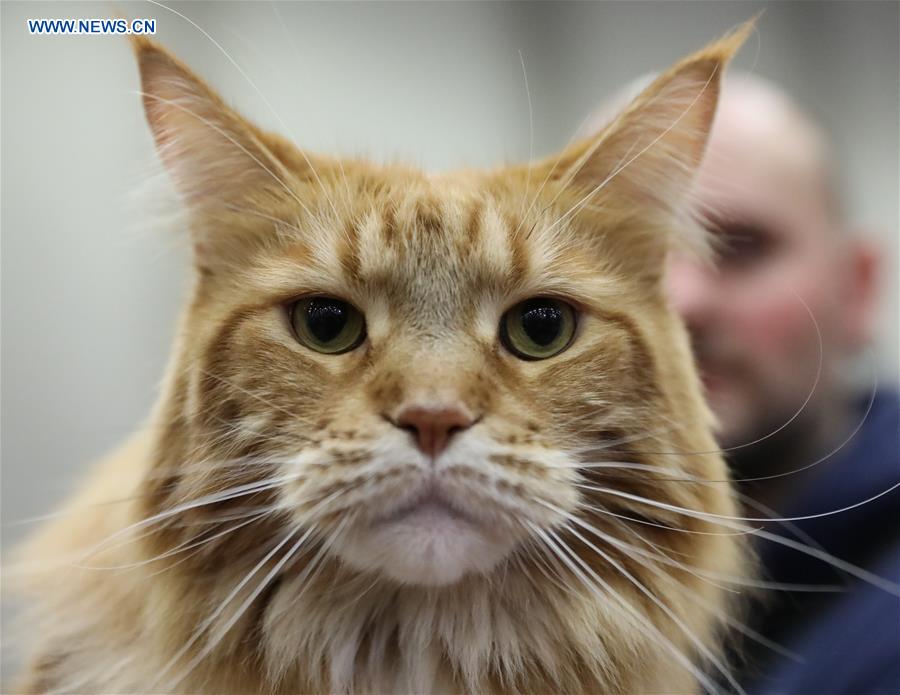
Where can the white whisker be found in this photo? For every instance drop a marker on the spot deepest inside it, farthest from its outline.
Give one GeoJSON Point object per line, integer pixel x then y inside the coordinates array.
{"type": "Point", "coordinates": [729, 521]}
{"type": "Point", "coordinates": [638, 620]}
{"type": "Point", "coordinates": [702, 648]}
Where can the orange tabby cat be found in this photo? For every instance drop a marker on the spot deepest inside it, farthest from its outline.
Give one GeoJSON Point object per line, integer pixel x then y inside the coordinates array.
{"type": "Point", "coordinates": [406, 442]}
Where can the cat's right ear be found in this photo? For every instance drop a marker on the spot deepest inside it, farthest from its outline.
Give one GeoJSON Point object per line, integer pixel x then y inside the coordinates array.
{"type": "Point", "coordinates": [214, 155]}
{"type": "Point", "coordinates": [645, 160]}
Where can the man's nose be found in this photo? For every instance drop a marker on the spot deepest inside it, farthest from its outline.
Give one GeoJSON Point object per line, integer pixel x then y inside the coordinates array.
{"type": "Point", "coordinates": [432, 426]}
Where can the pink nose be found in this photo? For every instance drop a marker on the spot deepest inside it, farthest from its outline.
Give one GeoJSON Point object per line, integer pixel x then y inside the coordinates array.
{"type": "Point", "coordinates": [433, 426]}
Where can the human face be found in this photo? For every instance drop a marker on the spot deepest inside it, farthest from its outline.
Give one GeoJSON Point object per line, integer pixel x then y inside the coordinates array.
{"type": "Point", "coordinates": [779, 274]}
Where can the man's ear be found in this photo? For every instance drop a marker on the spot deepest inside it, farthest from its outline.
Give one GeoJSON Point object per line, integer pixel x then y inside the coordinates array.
{"type": "Point", "coordinates": [859, 300]}
{"type": "Point", "coordinates": [213, 154]}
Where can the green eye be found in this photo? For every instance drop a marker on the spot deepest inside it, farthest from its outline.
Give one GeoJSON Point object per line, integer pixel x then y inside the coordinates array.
{"type": "Point", "coordinates": [538, 328]}
{"type": "Point", "coordinates": [328, 325]}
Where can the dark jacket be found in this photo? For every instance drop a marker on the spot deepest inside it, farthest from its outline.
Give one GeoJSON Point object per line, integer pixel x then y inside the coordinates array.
{"type": "Point", "coordinates": [846, 642]}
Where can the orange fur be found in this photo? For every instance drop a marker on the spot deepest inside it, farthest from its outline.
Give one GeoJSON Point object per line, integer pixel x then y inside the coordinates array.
{"type": "Point", "coordinates": [141, 585]}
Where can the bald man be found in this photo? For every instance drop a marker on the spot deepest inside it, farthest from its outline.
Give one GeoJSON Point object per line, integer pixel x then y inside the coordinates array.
{"type": "Point", "coordinates": [774, 324]}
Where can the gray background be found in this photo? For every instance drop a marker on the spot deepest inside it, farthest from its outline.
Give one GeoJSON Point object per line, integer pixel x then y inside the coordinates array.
{"type": "Point", "coordinates": [92, 278]}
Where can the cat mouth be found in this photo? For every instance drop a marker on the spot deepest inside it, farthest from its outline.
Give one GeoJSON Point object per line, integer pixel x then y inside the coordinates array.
{"type": "Point", "coordinates": [430, 503]}
{"type": "Point", "coordinates": [427, 538]}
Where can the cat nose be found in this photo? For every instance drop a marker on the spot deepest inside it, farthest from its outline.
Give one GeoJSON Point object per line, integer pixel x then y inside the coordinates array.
{"type": "Point", "coordinates": [433, 426]}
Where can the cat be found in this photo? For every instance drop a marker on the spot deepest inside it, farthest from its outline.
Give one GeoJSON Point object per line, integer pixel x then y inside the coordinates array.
{"type": "Point", "coordinates": [408, 439]}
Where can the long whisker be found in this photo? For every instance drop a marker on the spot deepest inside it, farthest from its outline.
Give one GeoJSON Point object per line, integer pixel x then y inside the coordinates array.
{"type": "Point", "coordinates": [300, 63]}
{"type": "Point", "coordinates": [205, 625]}
{"type": "Point", "coordinates": [846, 440]}
{"type": "Point", "coordinates": [637, 619]}
{"type": "Point", "coordinates": [745, 499]}
{"type": "Point", "coordinates": [232, 493]}
{"type": "Point", "coordinates": [541, 560]}
{"type": "Point", "coordinates": [199, 467]}
{"type": "Point", "coordinates": [544, 182]}
{"type": "Point", "coordinates": [715, 610]}
{"type": "Point", "coordinates": [316, 565]}
{"type": "Point", "coordinates": [718, 576]}
{"type": "Point", "coordinates": [820, 348]}
{"type": "Point", "coordinates": [608, 447]}
{"type": "Point", "coordinates": [181, 547]}
{"type": "Point", "coordinates": [690, 570]}
{"type": "Point", "coordinates": [234, 592]}
{"type": "Point", "coordinates": [645, 522]}
{"type": "Point", "coordinates": [710, 515]}
{"type": "Point", "coordinates": [530, 132]}
{"type": "Point", "coordinates": [702, 648]}
{"type": "Point", "coordinates": [729, 521]}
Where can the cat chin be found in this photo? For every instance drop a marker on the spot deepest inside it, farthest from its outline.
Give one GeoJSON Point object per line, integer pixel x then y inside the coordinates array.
{"type": "Point", "coordinates": [429, 545]}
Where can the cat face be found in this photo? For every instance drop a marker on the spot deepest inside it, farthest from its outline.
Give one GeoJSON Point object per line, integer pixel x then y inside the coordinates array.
{"type": "Point", "coordinates": [440, 383]}
{"type": "Point", "coordinates": [425, 422]}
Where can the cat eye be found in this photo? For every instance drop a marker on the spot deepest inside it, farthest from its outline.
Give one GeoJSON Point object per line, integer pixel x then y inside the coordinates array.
{"type": "Point", "coordinates": [538, 328]}
{"type": "Point", "coordinates": [327, 325]}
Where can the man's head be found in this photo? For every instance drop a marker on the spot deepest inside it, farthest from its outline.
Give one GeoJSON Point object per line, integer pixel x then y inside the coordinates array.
{"type": "Point", "coordinates": [785, 258]}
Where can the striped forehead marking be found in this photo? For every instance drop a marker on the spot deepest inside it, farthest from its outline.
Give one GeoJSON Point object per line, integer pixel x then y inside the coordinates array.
{"type": "Point", "coordinates": [418, 234]}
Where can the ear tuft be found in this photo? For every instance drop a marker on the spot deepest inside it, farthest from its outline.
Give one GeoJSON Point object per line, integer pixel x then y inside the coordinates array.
{"type": "Point", "coordinates": [724, 49]}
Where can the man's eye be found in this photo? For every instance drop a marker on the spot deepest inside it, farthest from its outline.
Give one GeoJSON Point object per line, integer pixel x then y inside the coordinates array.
{"type": "Point", "coordinates": [741, 244]}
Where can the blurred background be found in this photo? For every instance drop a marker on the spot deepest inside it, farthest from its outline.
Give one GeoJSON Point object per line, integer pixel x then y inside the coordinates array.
{"type": "Point", "coordinates": [91, 283]}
